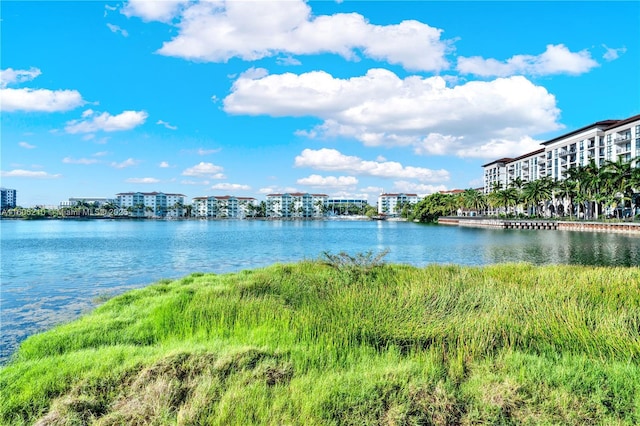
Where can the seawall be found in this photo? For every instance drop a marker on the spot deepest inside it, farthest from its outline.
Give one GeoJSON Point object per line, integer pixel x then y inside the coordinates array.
{"type": "Point", "coordinates": [494, 223]}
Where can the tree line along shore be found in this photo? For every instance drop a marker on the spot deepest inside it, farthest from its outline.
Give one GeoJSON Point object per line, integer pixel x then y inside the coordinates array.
{"type": "Point", "coordinates": [344, 340]}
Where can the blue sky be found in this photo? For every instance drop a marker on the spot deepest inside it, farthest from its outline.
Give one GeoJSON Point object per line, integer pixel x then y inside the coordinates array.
{"type": "Point", "coordinates": [345, 98]}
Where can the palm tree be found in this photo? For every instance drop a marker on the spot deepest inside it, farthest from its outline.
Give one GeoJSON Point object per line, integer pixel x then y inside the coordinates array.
{"type": "Point", "coordinates": [452, 203]}
{"type": "Point", "coordinates": [110, 207]}
{"type": "Point", "coordinates": [138, 209]}
{"type": "Point", "coordinates": [566, 189]}
{"type": "Point", "coordinates": [594, 186]}
{"type": "Point", "coordinates": [178, 207]}
{"type": "Point", "coordinates": [262, 209]}
{"type": "Point", "coordinates": [320, 207]}
{"type": "Point", "coordinates": [635, 184]}
{"type": "Point", "coordinates": [618, 176]}
{"type": "Point", "coordinates": [537, 191]}
{"type": "Point", "coordinates": [517, 184]}
{"type": "Point", "coordinates": [579, 176]}
{"type": "Point", "coordinates": [474, 200]}
{"type": "Point", "coordinates": [505, 197]}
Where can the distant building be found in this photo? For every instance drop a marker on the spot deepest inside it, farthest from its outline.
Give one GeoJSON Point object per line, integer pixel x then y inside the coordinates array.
{"type": "Point", "coordinates": [337, 206]}
{"type": "Point", "coordinates": [391, 204]}
{"type": "Point", "coordinates": [224, 206]}
{"type": "Point", "coordinates": [8, 198]}
{"type": "Point", "coordinates": [91, 201]}
{"type": "Point", "coordinates": [151, 204]}
{"type": "Point", "coordinates": [296, 204]}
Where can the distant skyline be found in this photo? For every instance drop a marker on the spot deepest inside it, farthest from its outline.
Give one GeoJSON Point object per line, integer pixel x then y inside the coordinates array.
{"type": "Point", "coordinates": [349, 98]}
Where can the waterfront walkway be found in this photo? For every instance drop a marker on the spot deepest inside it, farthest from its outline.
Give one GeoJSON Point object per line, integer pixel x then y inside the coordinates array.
{"type": "Point", "coordinates": [496, 223]}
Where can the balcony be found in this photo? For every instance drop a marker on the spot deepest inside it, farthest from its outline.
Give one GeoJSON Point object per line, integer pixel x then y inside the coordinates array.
{"type": "Point", "coordinates": [622, 139]}
{"type": "Point", "coordinates": [624, 150]}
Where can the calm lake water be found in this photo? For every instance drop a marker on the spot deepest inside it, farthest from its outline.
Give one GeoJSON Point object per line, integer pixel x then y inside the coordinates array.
{"type": "Point", "coordinates": [53, 271]}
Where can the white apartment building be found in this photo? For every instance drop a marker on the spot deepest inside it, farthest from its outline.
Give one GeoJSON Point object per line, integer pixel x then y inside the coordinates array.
{"type": "Point", "coordinates": [296, 204]}
{"type": "Point", "coordinates": [602, 141]}
{"type": "Point", "coordinates": [151, 204]}
{"type": "Point", "coordinates": [391, 204]}
{"type": "Point", "coordinates": [495, 174]}
{"type": "Point", "coordinates": [225, 206]}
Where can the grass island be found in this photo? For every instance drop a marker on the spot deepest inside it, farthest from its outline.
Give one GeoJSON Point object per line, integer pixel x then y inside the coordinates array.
{"type": "Point", "coordinates": [344, 342]}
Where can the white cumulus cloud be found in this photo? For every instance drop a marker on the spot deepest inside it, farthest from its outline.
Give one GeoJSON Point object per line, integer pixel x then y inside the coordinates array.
{"type": "Point", "coordinates": [230, 187]}
{"type": "Point", "coordinates": [153, 10]}
{"type": "Point", "coordinates": [421, 189]}
{"type": "Point", "coordinates": [129, 162]}
{"type": "Point", "coordinates": [10, 76]}
{"type": "Point", "coordinates": [317, 181]}
{"type": "Point", "coordinates": [37, 100]}
{"type": "Point", "coordinates": [26, 145]}
{"type": "Point", "coordinates": [208, 170]}
{"type": "Point", "coordinates": [277, 190]}
{"type": "Point", "coordinates": [41, 100]}
{"type": "Point", "coordinates": [93, 122]}
{"type": "Point", "coordinates": [381, 108]}
{"type": "Point", "coordinates": [334, 160]}
{"type": "Point", "coordinates": [557, 59]}
{"type": "Point", "coordinates": [29, 174]}
{"type": "Point", "coordinates": [142, 180]}
{"type": "Point", "coordinates": [217, 31]}
{"type": "Point", "coordinates": [85, 161]}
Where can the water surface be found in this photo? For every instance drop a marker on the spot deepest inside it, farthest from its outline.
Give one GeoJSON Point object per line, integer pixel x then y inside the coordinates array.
{"type": "Point", "coordinates": [54, 270]}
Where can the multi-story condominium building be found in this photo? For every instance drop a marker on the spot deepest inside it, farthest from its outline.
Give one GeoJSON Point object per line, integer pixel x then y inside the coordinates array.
{"type": "Point", "coordinates": [226, 206]}
{"type": "Point", "coordinates": [500, 173]}
{"type": "Point", "coordinates": [337, 206]}
{"type": "Point", "coordinates": [495, 174]}
{"type": "Point", "coordinates": [392, 204]}
{"type": "Point", "coordinates": [7, 198]}
{"type": "Point", "coordinates": [296, 204]}
{"type": "Point", "coordinates": [607, 140]}
{"type": "Point", "coordinates": [151, 204]}
{"type": "Point", "coordinates": [92, 201]}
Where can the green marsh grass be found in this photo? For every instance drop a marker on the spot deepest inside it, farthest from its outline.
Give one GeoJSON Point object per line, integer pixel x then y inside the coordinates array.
{"type": "Point", "coordinates": [311, 344]}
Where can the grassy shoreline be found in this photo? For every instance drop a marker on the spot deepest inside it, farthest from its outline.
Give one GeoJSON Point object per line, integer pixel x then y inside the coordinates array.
{"type": "Point", "coordinates": [307, 343]}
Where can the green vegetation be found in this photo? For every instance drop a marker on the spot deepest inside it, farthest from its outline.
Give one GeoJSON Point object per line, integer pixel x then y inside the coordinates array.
{"type": "Point", "coordinates": [314, 343]}
{"type": "Point", "coordinates": [585, 193]}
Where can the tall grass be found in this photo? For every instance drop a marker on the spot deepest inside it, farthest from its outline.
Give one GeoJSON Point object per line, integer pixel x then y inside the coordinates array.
{"type": "Point", "coordinates": [313, 344]}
